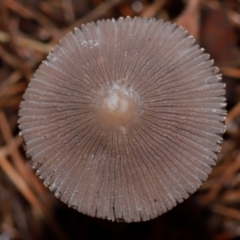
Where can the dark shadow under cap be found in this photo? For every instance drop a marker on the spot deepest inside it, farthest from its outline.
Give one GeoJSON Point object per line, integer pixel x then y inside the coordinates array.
{"type": "Point", "coordinates": [124, 118]}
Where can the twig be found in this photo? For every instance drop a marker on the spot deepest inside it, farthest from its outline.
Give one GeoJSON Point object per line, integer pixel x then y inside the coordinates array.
{"type": "Point", "coordinates": [68, 10]}
{"type": "Point", "coordinates": [234, 17]}
{"type": "Point", "coordinates": [153, 8]}
{"type": "Point", "coordinates": [230, 72]}
{"type": "Point", "coordinates": [232, 196]}
{"type": "Point", "coordinates": [25, 12]}
{"type": "Point", "coordinates": [10, 101]}
{"type": "Point", "coordinates": [226, 211]}
{"type": "Point", "coordinates": [7, 150]}
{"type": "Point", "coordinates": [7, 135]}
{"type": "Point", "coordinates": [14, 89]}
{"type": "Point", "coordinates": [189, 19]}
{"type": "Point", "coordinates": [13, 78]}
{"type": "Point", "coordinates": [212, 4]}
{"type": "Point", "coordinates": [17, 179]}
{"type": "Point", "coordinates": [228, 173]}
{"type": "Point", "coordinates": [17, 158]}
{"type": "Point", "coordinates": [92, 15]}
{"type": "Point", "coordinates": [20, 184]}
{"type": "Point", "coordinates": [235, 111]}
{"type": "Point", "coordinates": [26, 42]}
{"type": "Point", "coordinates": [12, 60]}
{"type": "Point", "coordinates": [38, 208]}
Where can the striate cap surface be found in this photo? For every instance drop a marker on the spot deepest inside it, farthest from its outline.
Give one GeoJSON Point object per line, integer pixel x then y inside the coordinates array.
{"type": "Point", "coordinates": [124, 119]}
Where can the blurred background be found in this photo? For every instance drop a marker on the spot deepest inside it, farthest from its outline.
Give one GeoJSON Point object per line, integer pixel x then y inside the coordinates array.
{"type": "Point", "coordinates": [28, 31]}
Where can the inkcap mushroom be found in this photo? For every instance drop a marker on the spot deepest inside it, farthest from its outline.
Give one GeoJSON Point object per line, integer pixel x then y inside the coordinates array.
{"type": "Point", "coordinates": [124, 119]}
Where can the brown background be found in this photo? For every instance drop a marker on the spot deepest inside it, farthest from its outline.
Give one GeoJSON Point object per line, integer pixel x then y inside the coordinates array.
{"type": "Point", "coordinates": [28, 30]}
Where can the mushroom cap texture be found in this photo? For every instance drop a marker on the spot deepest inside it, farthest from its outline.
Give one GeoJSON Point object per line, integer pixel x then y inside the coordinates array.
{"type": "Point", "coordinates": [124, 118]}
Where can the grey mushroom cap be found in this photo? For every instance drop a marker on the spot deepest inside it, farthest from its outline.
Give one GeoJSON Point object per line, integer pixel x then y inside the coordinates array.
{"type": "Point", "coordinates": [124, 119]}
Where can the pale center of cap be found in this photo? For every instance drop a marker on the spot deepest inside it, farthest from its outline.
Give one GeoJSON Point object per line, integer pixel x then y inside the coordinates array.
{"type": "Point", "coordinates": [116, 108]}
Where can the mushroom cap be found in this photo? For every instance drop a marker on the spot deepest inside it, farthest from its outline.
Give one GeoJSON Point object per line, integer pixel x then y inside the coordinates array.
{"type": "Point", "coordinates": [124, 118]}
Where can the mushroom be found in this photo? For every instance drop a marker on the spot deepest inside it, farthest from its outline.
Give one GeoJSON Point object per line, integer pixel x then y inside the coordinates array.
{"type": "Point", "coordinates": [124, 119]}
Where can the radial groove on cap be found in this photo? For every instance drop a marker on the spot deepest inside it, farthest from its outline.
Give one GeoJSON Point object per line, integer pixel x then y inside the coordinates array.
{"type": "Point", "coordinates": [124, 118]}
